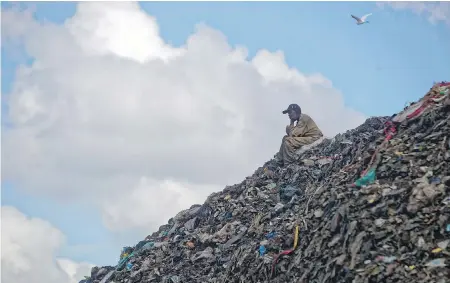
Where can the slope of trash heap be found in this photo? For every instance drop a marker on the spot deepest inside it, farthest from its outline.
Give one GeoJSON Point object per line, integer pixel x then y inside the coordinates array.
{"type": "Point", "coordinates": [370, 205]}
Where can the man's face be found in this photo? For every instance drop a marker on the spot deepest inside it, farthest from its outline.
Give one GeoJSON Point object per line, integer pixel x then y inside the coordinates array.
{"type": "Point", "coordinates": [293, 115]}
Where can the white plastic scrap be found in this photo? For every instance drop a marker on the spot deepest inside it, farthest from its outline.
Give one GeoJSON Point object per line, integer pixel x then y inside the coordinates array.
{"type": "Point", "coordinates": [106, 278]}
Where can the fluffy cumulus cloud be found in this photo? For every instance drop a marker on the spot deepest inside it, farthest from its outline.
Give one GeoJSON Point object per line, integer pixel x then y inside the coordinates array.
{"type": "Point", "coordinates": [434, 11]}
{"type": "Point", "coordinates": [29, 246]}
{"type": "Point", "coordinates": [142, 207]}
{"type": "Point", "coordinates": [110, 112]}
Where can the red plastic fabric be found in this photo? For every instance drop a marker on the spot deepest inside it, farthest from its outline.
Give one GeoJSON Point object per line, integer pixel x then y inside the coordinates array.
{"type": "Point", "coordinates": [418, 111]}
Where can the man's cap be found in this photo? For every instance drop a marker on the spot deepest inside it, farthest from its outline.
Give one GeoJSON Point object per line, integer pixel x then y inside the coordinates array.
{"type": "Point", "coordinates": [294, 107]}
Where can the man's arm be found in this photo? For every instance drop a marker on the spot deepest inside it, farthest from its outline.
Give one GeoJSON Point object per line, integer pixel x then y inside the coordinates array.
{"type": "Point", "coordinates": [290, 127]}
{"type": "Point", "coordinates": [306, 127]}
{"type": "Point", "coordinates": [306, 132]}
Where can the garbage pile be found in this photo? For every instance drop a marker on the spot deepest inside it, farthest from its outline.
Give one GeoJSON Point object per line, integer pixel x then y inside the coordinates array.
{"type": "Point", "coordinates": [369, 205]}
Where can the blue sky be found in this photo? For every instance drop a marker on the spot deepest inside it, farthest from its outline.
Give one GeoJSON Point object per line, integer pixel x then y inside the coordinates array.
{"type": "Point", "coordinates": [378, 67]}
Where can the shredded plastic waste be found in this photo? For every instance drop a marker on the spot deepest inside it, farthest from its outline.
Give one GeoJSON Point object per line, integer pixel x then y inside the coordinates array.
{"type": "Point", "coordinates": [308, 223]}
{"type": "Point", "coordinates": [367, 179]}
{"type": "Point", "coordinates": [286, 252]}
{"type": "Point", "coordinates": [262, 250]}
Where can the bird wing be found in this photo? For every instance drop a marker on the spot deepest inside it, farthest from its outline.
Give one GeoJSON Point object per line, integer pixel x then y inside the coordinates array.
{"type": "Point", "coordinates": [363, 18]}
{"type": "Point", "coordinates": [356, 18]}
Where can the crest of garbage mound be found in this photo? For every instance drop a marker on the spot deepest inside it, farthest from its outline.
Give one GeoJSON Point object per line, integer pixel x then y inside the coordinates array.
{"type": "Point", "coordinates": [369, 205]}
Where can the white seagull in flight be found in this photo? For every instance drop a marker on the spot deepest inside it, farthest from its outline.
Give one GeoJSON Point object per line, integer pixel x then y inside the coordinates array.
{"type": "Point", "coordinates": [362, 20]}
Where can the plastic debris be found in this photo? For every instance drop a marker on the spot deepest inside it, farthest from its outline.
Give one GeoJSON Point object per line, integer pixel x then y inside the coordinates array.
{"type": "Point", "coordinates": [444, 244]}
{"type": "Point", "coordinates": [386, 259]}
{"type": "Point", "coordinates": [262, 250]}
{"type": "Point", "coordinates": [367, 179]}
{"type": "Point", "coordinates": [271, 235]}
{"type": "Point", "coordinates": [439, 262]}
{"type": "Point", "coordinates": [129, 266]}
{"type": "Point", "coordinates": [308, 223]}
{"type": "Point", "coordinates": [436, 250]}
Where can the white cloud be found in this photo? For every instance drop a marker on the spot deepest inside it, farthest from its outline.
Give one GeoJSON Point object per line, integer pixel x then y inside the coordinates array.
{"type": "Point", "coordinates": [434, 11]}
{"type": "Point", "coordinates": [151, 198]}
{"type": "Point", "coordinates": [29, 246]}
{"type": "Point", "coordinates": [75, 271]}
{"type": "Point", "coordinates": [111, 113]}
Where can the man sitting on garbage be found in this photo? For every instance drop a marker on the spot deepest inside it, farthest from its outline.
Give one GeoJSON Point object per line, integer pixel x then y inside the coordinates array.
{"type": "Point", "coordinates": [301, 131]}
